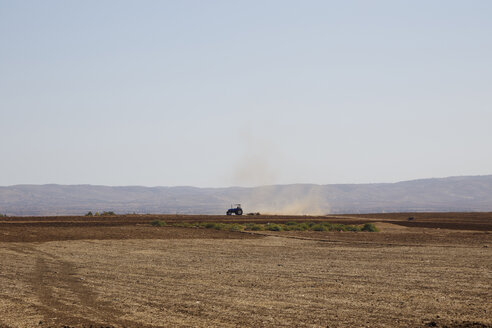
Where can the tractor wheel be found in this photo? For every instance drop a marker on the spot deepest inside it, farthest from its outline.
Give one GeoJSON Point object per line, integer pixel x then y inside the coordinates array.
{"type": "Point", "coordinates": [228, 213]}
{"type": "Point", "coordinates": [239, 211]}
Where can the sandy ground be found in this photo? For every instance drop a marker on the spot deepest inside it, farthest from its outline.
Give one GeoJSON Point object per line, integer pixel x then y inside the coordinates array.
{"type": "Point", "coordinates": [136, 275]}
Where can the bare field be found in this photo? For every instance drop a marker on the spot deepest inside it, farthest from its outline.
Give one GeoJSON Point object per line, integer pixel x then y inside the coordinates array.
{"type": "Point", "coordinates": [122, 272]}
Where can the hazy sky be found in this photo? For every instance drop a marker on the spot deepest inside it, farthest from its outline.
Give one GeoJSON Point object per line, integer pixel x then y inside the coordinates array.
{"type": "Point", "coordinates": [220, 93]}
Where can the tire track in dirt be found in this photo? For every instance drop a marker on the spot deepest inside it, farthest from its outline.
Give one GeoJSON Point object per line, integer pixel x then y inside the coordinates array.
{"type": "Point", "coordinates": [53, 276]}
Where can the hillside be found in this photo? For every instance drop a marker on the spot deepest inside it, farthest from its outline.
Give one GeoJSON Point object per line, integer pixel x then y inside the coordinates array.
{"type": "Point", "coordinates": [470, 193]}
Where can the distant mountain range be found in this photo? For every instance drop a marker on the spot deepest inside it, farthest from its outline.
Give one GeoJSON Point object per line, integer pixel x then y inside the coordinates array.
{"type": "Point", "coordinates": [466, 193]}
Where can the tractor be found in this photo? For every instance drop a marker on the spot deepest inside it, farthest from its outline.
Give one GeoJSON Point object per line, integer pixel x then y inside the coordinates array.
{"type": "Point", "coordinates": [235, 209]}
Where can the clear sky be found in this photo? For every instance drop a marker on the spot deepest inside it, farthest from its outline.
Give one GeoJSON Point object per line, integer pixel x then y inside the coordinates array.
{"type": "Point", "coordinates": [221, 93]}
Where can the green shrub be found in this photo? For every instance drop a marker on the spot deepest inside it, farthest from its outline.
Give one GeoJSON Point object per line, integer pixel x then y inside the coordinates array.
{"type": "Point", "coordinates": [319, 227]}
{"type": "Point", "coordinates": [352, 228]}
{"type": "Point", "coordinates": [253, 227]}
{"type": "Point", "coordinates": [222, 226]}
{"type": "Point", "coordinates": [107, 213]}
{"type": "Point", "coordinates": [369, 227]}
{"type": "Point", "coordinates": [158, 223]}
{"type": "Point", "coordinates": [273, 227]}
{"type": "Point", "coordinates": [338, 227]}
{"type": "Point", "coordinates": [88, 213]}
{"type": "Point", "coordinates": [257, 227]}
{"type": "Point", "coordinates": [209, 225]}
{"type": "Point", "coordinates": [301, 227]}
{"type": "Point", "coordinates": [290, 226]}
{"type": "Point", "coordinates": [184, 225]}
{"type": "Point", "coordinates": [234, 227]}
{"type": "Point", "coordinates": [219, 226]}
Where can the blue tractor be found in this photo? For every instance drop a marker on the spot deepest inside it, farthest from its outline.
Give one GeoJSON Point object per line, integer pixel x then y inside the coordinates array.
{"type": "Point", "coordinates": [235, 209]}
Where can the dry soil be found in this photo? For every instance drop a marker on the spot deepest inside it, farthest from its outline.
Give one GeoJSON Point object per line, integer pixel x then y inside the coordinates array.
{"type": "Point", "coordinates": [123, 272]}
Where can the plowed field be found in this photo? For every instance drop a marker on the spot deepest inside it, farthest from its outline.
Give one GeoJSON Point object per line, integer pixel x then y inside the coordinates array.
{"type": "Point", "coordinates": [433, 270]}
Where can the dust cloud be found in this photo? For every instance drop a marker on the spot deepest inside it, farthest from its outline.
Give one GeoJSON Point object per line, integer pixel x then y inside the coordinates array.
{"type": "Point", "coordinates": [289, 200]}
{"type": "Point", "coordinates": [256, 168]}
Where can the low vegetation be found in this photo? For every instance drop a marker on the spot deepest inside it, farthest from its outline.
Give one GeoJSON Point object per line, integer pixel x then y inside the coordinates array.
{"type": "Point", "coordinates": [369, 227]}
{"type": "Point", "coordinates": [108, 213]}
{"type": "Point", "coordinates": [274, 227]}
{"type": "Point", "coordinates": [158, 223]}
{"type": "Point", "coordinates": [289, 226]}
{"type": "Point", "coordinates": [105, 213]}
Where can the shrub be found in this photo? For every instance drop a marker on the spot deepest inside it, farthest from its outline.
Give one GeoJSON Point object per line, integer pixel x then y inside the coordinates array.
{"type": "Point", "coordinates": [88, 213]}
{"type": "Point", "coordinates": [209, 225]}
{"type": "Point", "coordinates": [319, 227]}
{"type": "Point", "coordinates": [107, 213]}
{"type": "Point", "coordinates": [183, 225]}
{"type": "Point", "coordinates": [223, 226]}
{"type": "Point", "coordinates": [369, 227]}
{"type": "Point", "coordinates": [253, 227]}
{"type": "Point", "coordinates": [273, 227]}
{"type": "Point", "coordinates": [352, 228]}
{"type": "Point", "coordinates": [300, 227]}
{"type": "Point", "coordinates": [291, 223]}
{"type": "Point", "coordinates": [234, 227]}
{"type": "Point", "coordinates": [219, 226]}
{"type": "Point", "coordinates": [287, 227]}
{"type": "Point", "coordinates": [338, 227]}
{"type": "Point", "coordinates": [158, 223]}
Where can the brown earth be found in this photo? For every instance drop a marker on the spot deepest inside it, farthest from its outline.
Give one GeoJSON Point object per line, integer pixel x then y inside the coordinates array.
{"type": "Point", "coordinates": [457, 221]}
{"type": "Point", "coordinates": [122, 272]}
{"type": "Point", "coordinates": [481, 221]}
